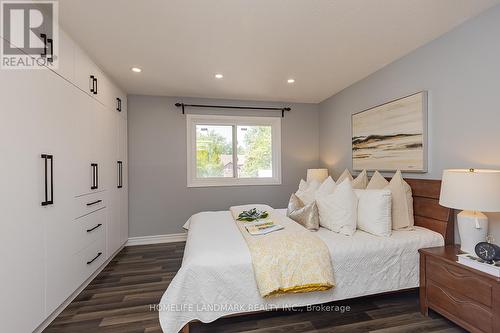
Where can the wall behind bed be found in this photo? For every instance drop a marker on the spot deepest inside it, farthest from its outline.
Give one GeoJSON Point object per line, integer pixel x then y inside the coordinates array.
{"type": "Point", "coordinates": [159, 201]}
{"type": "Point", "coordinates": [461, 71]}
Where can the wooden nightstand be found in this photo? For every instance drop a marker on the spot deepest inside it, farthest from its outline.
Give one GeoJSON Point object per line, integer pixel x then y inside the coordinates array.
{"type": "Point", "coordinates": [464, 295]}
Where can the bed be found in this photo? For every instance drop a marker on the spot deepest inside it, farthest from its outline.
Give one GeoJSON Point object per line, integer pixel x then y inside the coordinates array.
{"type": "Point", "coordinates": [216, 278]}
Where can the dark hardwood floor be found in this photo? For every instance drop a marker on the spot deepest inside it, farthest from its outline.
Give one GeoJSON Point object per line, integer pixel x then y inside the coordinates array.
{"type": "Point", "coordinates": [119, 299]}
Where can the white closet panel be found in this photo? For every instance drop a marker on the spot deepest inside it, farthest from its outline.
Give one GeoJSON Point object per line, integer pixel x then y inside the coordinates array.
{"type": "Point", "coordinates": [66, 57]}
{"type": "Point", "coordinates": [123, 155]}
{"type": "Point", "coordinates": [30, 126]}
{"type": "Point", "coordinates": [52, 249]}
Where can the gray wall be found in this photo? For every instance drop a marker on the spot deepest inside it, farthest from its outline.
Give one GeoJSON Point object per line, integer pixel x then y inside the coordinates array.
{"type": "Point", "coordinates": [160, 202]}
{"type": "Point", "coordinates": [461, 71]}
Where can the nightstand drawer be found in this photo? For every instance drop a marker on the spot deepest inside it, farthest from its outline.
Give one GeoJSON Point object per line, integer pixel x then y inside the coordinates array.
{"type": "Point", "coordinates": [459, 280]}
{"type": "Point", "coordinates": [463, 308]}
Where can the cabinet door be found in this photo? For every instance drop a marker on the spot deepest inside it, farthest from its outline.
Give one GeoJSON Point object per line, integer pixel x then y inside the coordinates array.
{"type": "Point", "coordinates": [66, 57]}
{"type": "Point", "coordinates": [21, 239]}
{"type": "Point", "coordinates": [123, 154]}
{"type": "Point", "coordinates": [82, 142]}
{"type": "Point", "coordinates": [92, 80]}
{"type": "Point", "coordinates": [113, 232]}
{"type": "Point", "coordinates": [105, 91]}
{"type": "Point", "coordinates": [85, 71]}
{"type": "Point", "coordinates": [32, 116]}
{"type": "Point", "coordinates": [114, 222]}
{"type": "Point", "coordinates": [101, 137]}
{"type": "Point", "coordinates": [122, 107]}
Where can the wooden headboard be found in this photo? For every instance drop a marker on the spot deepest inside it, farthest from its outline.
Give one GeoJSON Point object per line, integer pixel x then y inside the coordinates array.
{"type": "Point", "coordinates": [427, 211]}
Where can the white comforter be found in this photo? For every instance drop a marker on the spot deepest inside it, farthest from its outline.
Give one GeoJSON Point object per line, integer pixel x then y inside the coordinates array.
{"type": "Point", "coordinates": [216, 278]}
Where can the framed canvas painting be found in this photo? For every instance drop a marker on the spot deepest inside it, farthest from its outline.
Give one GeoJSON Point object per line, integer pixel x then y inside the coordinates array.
{"type": "Point", "coordinates": [392, 136]}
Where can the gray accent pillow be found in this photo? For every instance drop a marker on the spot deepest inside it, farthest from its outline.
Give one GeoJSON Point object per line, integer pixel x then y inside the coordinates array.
{"type": "Point", "coordinates": [305, 215]}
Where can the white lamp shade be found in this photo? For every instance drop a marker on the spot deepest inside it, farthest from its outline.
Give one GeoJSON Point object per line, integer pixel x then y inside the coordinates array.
{"type": "Point", "coordinates": [475, 190]}
{"type": "Point", "coordinates": [317, 174]}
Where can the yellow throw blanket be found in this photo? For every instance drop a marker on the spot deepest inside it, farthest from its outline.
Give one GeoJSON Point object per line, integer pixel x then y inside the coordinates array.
{"type": "Point", "coordinates": [292, 260]}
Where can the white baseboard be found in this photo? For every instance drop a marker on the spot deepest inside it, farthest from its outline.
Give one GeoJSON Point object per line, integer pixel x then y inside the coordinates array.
{"type": "Point", "coordinates": [70, 299]}
{"type": "Point", "coordinates": [156, 239]}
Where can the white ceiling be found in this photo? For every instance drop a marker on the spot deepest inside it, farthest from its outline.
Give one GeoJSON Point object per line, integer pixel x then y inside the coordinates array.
{"type": "Point", "coordinates": [325, 45]}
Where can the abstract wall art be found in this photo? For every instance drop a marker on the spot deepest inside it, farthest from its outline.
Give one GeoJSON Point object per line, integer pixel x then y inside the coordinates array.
{"type": "Point", "coordinates": [392, 136]}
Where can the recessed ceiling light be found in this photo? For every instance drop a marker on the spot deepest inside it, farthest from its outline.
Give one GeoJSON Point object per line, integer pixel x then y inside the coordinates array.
{"type": "Point", "coordinates": [290, 81]}
{"type": "Point", "coordinates": [136, 69]}
{"type": "Point", "coordinates": [219, 76]}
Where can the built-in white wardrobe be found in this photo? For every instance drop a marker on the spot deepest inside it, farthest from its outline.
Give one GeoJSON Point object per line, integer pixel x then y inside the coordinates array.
{"type": "Point", "coordinates": [64, 190]}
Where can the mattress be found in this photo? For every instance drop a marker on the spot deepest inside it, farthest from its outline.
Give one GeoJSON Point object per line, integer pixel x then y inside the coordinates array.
{"type": "Point", "coordinates": [216, 277]}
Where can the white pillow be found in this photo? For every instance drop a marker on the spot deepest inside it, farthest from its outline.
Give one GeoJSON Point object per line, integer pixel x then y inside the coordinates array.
{"type": "Point", "coordinates": [374, 211]}
{"type": "Point", "coordinates": [377, 182]}
{"type": "Point", "coordinates": [338, 211]}
{"type": "Point", "coordinates": [402, 199]}
{"type": "Point", "coordinates": [327, 187]}
{"type": "Point", "coordinates": [345, 175]}
{"type": "Point", "coordinates": [361, 181]}
{"type": "Point", "coordinates": [307, 191]}
{"type": "Point", "coordinates": [402, 203]}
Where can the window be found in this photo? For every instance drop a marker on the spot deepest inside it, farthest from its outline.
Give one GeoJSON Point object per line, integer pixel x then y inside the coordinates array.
{"type": "Point", "coordinates": [231, 150]}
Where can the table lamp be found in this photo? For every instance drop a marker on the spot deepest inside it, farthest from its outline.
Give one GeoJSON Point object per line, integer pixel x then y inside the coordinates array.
{"type": "Point", "coordinates": [317, 174]}
{"type": "Point", "coordinates": [473, 191]}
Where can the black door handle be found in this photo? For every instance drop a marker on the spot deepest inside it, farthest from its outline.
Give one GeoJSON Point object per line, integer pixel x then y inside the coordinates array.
{"type": "Point", "coordinates": [120, 174]}
{"type": "Point", "coordinates": [97, 256]}
{"type": "Point", "coordinates": [95, 85]}
{"type": "Point", "coordinates": [51, 58]}
{"type": "Point", "coordinates": [92, 229]}
{"type": "Point", "coordinates": [91, 83]}
{"type": "Point", "coordinates": [95, 176]}
{"type": "Point", "coordinates": [118, 104]}
{"type": "Point", "coordinates": [94, 203]}
{"type": "Point", "coordinates": [48, 201]}
{"type": "Point", "coordinates": [44, 37]}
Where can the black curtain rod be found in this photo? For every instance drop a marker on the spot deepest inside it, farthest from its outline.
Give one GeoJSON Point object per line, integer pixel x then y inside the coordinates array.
{"type": "Point", "coordinates": [182, 105]}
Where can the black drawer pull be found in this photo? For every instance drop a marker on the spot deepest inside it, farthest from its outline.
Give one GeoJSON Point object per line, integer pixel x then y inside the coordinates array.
{"type": "Point", "coordinates": [48, 201]}
{"type": "Point", "coordinates": [93, 203]}
{"type": "Point", "coordinates": [120, 174]}
{"type": "Point", "coordinates": [95, 176]}
{"type": "Point", "coordinates": [44, 37]}
{"type": "Point", "coordinates": [92, 229]}
{"type": "Point", "coordinates": [95, 86]}
{"type": "Point", "coordinates": [91, 83]}
{"type": "Point", "coordinates": [97, 256]}
{"type": "Point", "coordinates": [51, 42]}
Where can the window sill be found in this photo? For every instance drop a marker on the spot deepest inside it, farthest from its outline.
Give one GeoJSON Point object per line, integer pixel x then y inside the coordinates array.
{"type": "Point", "coordinates": [233, 182]}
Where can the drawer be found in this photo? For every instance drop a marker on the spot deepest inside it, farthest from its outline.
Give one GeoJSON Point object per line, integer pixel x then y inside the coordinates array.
{"type": "Point", "coordinates": [89, 203]}
{"type": "Point", "coordinates": [66, 271]}
{"type": "Point", "coordinates": [88, 228]}
{"type": "Point", "coordinates": [461, 307]}
{"type": "Point", "coordinates": [460, 280]}
{"type": "Point", "coordinates": [91, 258]}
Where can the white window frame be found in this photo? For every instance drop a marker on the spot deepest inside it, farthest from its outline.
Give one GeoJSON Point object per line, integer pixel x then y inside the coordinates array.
{"type": "Point", "coordinates": [193, 119]}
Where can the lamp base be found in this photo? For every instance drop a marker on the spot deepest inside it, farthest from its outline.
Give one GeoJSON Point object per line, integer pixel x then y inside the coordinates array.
{"type": "Point", "coordinates": [472, 228]}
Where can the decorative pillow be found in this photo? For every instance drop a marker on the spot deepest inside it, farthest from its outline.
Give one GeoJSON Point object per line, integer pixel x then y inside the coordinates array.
{"type": "Point", "coordinates": [345, 175]}
{"type": "Point", "coordinates": [338, 211]}
{"type": "Point", "coordinates": [327, 187]}
{"type": "Point", "coordinates": [402, 203]}
{"type": "Point", "coordinates": [361, 181]}
{"type": "Point", "coordinates": [374, 211]}
{"type": "Point", "coordinates": [377, 182]}
{"type": "Point", "coordinates": [293, 204]}
{"type": "Point", "coordinates": [307, 191]}
{"type": "Point", "coordinates": [306, 216]}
